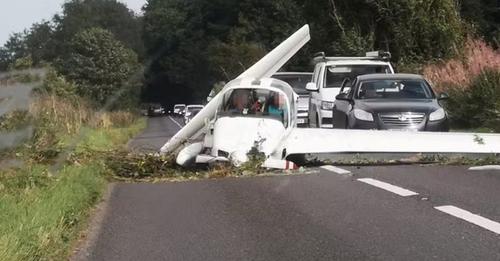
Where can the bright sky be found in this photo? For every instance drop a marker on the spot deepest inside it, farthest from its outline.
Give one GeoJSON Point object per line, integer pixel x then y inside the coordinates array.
{"type": "Point", "coordinates": [16, 15]}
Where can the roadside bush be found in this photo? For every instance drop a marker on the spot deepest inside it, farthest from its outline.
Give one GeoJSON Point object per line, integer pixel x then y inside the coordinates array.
{"type": "Point", "coordinates": [458, 73]}
{"type": "Point", "coordinates": [478, 105]}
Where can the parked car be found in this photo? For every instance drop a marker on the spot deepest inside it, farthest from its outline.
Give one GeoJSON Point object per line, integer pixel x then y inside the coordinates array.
{"type": "Point", "coordinates": [298, 81]}
{"type": "Point", "coordinates": [330, 73]}
{"type": "Point", "coordinates": [390, 102]}
{"type": "Point", "coordinates": [179, 109]}
{"type": "Point", "coordinates": [191, 111]}
{"type": "Point", "coordinates": [156, 110]}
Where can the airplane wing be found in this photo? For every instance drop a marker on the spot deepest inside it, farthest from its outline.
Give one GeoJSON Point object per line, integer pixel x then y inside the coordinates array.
{"type": "Point", "coordinates": [266, 67]}
{"type": "Point", "coordinates": [303, 141]}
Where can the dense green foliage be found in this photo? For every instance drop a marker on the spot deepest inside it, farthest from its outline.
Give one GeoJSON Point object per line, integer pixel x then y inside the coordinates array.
{"type": "Point", "coordinates": [484, 16]}
{"type": "Point", "coordinates": [479, 105]}
{"type": "Point", "coordinates": [216, 40]}
{"type": "Point", "coordinates": [99, 65]}
{"type": "Point", "coordinates": [95, 44]}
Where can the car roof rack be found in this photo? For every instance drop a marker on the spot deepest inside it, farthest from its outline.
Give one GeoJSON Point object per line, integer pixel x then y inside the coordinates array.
{"type": "Point", "coordinates": [373, 56]}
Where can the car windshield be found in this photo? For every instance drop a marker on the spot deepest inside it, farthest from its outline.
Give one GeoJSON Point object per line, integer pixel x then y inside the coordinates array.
{"type": "Point", "coordinates": [394, 89]}
{"type": "Point", "coordinates": [195, 111]}
{"type": "Point", "coordinates": [194, 108]}
{"type": "Point", "coordinates": [255, 103]}
{"type": "Point", "coordinates": [179, 107]}
{"type": "Point", "coordinates": [297, 81]}
{"type": "Point", "coordinates": [335, 75]}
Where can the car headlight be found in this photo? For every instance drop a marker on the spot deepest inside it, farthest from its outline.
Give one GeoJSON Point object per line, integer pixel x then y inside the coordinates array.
{"type": "Point", "coordinates": [439, 114]}
{"type": "Point", "coordinates": [188, 114]}
{"type": "Point", "coordinates": [363, 115]}
{"type": "Point", "coordinates": [325, 105]}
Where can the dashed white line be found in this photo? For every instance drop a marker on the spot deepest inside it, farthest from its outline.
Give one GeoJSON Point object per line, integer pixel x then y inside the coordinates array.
{"type": "Point", "coordinates": [336, 169]}
{"type": "Point", "coordinates": [472, 218]}
{"type": "Point", "coordinates": [487, 167]}
{"type": "Point", "coordinates": [178, 124]}
{"type": "Point", "coordinates": [391, 188]}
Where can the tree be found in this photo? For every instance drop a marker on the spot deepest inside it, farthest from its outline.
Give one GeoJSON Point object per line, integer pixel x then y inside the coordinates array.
{"type": "Point", "coordinates": [484, 16]}
{"type": "Point", "coordinates": [40, 43]}
{"type": "Point", "coordinates": [101, 66]}
{"type": "Point", "coordinates": [79, 15]}
{"type": "Point", "coordinates": [15, 48]}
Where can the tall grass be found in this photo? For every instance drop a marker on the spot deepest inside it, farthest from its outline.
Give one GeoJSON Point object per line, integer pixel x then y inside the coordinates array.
{"type": "Point", "coordinates": [42, 208]}
{"type": "Point", "coordinates": [56, 118]}
{"type": "Point", "coordinates": [459, 73]}
{"type": "Point", "coordinates": [40, 216]}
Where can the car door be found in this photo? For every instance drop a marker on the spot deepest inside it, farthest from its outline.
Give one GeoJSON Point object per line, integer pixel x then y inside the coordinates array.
{"type": "Point", "coordinates": [315, 97]}
{"type": "Point", "coordinates": [341, 108]}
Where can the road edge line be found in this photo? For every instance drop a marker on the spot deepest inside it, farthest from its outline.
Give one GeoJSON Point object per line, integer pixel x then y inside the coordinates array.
{"type": "Point", "coordinates": [178, 124]}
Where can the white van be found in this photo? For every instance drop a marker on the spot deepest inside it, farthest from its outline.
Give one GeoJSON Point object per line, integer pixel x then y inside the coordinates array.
{"type": "Point", "coordinates": [329, 75]}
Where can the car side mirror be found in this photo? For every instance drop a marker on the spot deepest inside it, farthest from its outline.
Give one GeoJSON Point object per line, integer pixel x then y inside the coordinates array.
{"type": "Point", "coordinates": [343, 97]}
{"type": "Point", "coordinates": [443, 96]}
{"type": "Point", "coordinates": [311, 87]}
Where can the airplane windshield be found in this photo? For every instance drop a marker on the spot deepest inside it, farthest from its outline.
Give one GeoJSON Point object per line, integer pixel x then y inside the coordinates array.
{"type": "Point", "coordinates": [255, 103]}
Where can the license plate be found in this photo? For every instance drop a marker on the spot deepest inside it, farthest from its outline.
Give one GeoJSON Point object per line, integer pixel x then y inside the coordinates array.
{"type": "Point", "coordinates": [301, 121]}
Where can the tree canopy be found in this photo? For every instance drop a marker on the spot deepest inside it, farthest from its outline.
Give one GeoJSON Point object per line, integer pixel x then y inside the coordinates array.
{"type": "Point", "coordinates": [188, 46]}
{"type": "Point", "coordinates": [100, 65]}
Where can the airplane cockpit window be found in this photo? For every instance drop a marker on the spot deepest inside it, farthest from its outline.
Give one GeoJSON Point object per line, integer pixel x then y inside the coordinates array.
{"type": "Point", "coordinates": [255, 103]}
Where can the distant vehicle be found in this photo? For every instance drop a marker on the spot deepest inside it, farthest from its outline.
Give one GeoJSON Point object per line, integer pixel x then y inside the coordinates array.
{"type": "Point", "coordinates": [191, 111]}
{"type": "Point", "coordinates": [298, 81]}
{"type": "Point", "coordinates": [179, 109]}
{"type": "Point", "coordinates": [156, 110]}
{"type": "Point", "coordinates": [330, 73]}
{"type": "Point", "coordinates": [390, 102]}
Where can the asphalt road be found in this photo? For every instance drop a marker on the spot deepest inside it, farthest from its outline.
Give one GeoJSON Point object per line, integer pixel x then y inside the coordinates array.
{"type": "Point", "coordinates": [157, 133]}
{"type": "Point", "coordinates": [320, 216]}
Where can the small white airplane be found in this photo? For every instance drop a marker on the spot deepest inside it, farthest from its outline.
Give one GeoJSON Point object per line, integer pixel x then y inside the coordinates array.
{"type": "Point", "coordinates": [255, 111]}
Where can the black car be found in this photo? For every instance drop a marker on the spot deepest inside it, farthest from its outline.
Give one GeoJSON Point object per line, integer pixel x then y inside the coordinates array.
{"type": "Point", "coordinates": [390, 102]}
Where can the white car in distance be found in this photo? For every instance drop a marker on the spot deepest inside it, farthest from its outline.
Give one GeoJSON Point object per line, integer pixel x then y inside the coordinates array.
{"type": "Point", "coordinates": [179, 109]}
{"type": "Point", "coordinates": [191, 111]}
{"type": "Point", "coordinates": [329, 75]}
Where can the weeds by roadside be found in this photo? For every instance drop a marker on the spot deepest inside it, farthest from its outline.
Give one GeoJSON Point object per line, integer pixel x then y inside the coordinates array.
{"type": "Point", "coordinates": [46, 196]}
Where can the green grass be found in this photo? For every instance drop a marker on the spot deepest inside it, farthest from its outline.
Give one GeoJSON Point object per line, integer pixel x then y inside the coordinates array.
{"type": "Point", "coordinates": [42, 213]}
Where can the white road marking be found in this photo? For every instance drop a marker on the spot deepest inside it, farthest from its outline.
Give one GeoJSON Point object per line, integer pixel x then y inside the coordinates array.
{"type": "Point", "coordinates": [335, 169]}
{"type": "Point", "coordinates": [178, 124]}
{"type": "Point", "coordinates": [472, 218]}
{"type": "Point", "coordinates": [391, 188]}
{"type": "Point", "coordinates": [487, 167]}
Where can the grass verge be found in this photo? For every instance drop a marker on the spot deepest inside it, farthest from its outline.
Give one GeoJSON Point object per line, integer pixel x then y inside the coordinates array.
{"type": "Point", "coordinates": [43, 210]}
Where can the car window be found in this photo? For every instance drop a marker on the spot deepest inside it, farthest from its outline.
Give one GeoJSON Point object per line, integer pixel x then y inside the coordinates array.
{"type": "Point", "coordinates": [335, 75]}
{"type": "Point", "coordinates": [394, 89]}
{"type": "Point", "coordinates": [298, 81]}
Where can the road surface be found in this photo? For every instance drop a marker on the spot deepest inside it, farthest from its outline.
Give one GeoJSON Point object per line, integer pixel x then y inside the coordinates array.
{"type": "Point", "coordinates": [371, 213]}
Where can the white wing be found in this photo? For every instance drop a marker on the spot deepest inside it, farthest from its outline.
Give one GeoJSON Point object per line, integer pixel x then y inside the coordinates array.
{"type": "Point", "coordinates": [302, 141]}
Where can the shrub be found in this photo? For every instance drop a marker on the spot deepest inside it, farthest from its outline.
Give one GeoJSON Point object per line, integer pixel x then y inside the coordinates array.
{"type": "Point", "coordinates": [458, 73]}
{"type": "Point", "coordinates": [478, 105]}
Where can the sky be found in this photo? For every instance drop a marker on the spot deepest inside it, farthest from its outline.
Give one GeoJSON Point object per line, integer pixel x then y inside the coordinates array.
{"type": "Point", "coordinates": [17, 15]}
